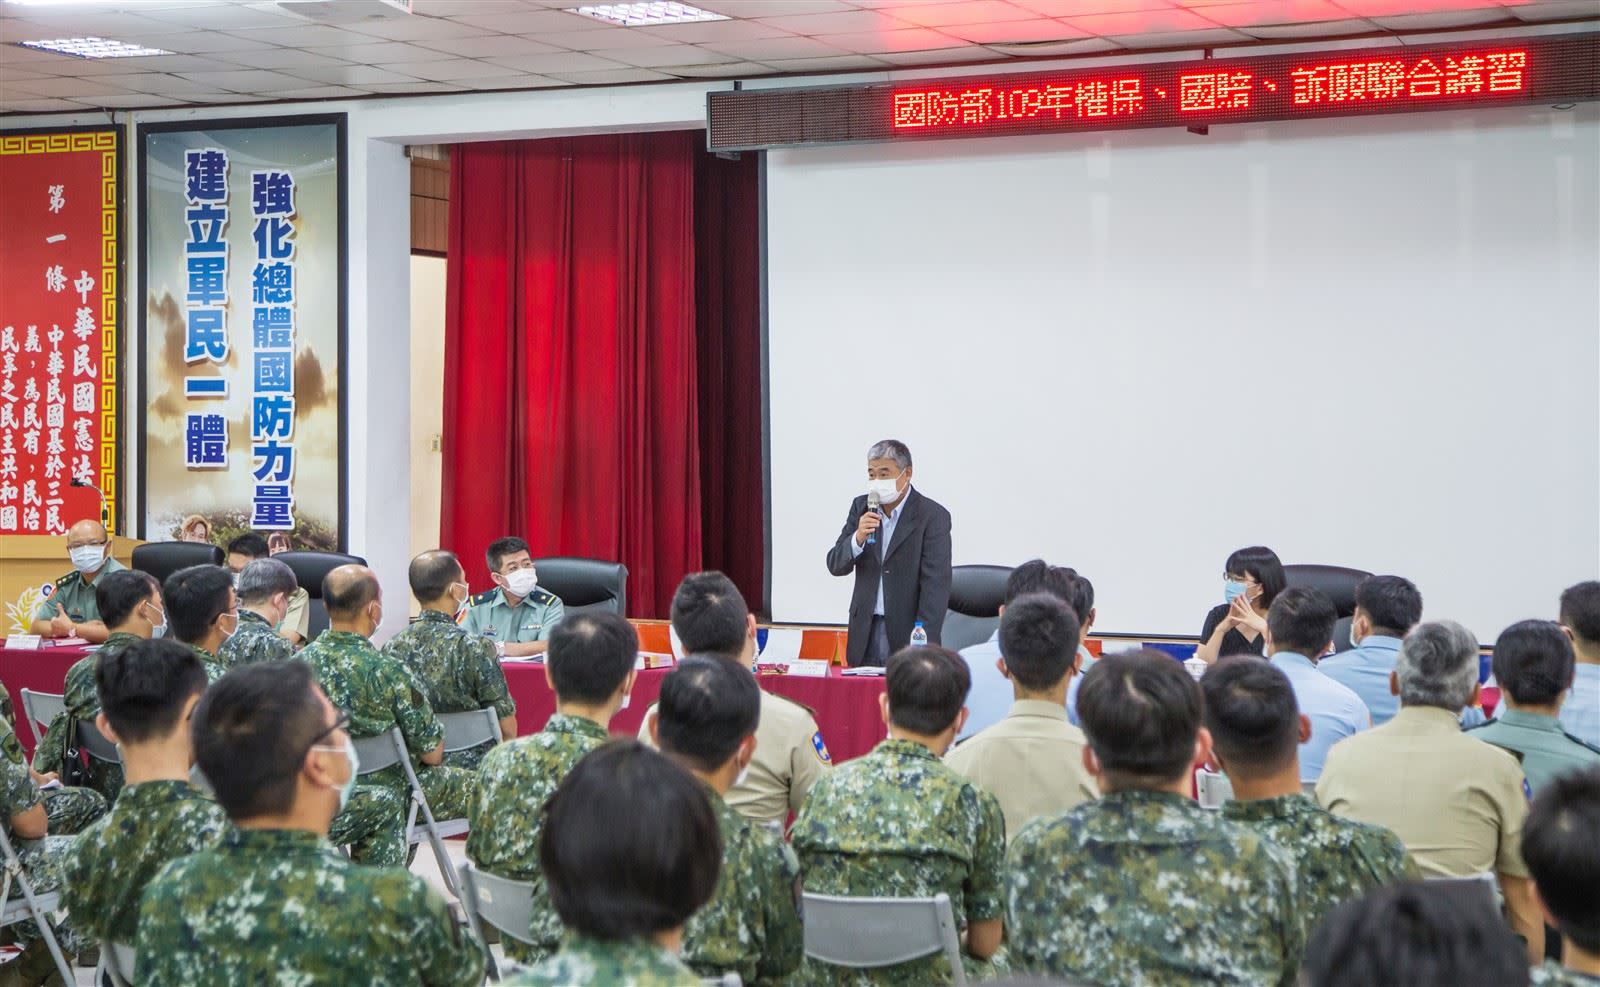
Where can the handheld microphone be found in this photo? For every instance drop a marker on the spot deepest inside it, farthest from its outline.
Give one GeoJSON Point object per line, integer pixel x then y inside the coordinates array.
{"type": "Point", "coordinates": [874, 504]}
{"type": "Point", "coordinates": [105, 515]}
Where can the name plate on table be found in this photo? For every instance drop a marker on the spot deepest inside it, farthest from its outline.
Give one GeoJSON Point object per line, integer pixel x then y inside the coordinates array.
{"type": "Point", "coordinates": [652, 659]}
{"type": "Point", "coordinates": [23, 642]}
{"type": "Point", "coordinates": [809, 668]}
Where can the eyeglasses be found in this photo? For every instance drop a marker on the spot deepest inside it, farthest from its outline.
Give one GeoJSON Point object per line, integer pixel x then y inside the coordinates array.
{"type": "Point", "coordinates": [341, 722]}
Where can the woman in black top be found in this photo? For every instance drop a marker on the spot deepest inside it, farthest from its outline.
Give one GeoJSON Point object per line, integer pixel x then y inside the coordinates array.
{"type": "Point", "coordinates": [1239, 626]}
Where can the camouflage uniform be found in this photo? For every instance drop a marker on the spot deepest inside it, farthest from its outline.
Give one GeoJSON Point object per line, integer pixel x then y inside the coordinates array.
{"type": "Point", "coordinates": [215, 667]}
{"type": "Point", "coordinates": [40, 858]}
{"type": "Point", "coordinates": [1335, 859]}
{"type": "Point", "coordinates": [750, 926]}
{"type": "Point", "coordinates": [152, 823]}
{"type": "Point", "coordinates": [83, 702]}
{"type": "Point", "coordinates": [635, 963]}
{"type": "Point", "coordinates": [1553, 974]}
{"type": "Point", "coordinates": [373, 826]}
{"type": "Point", "coordinates": [75, 596]}
{"type": "Point", "coordinates": [516, 779]}
{"type": "Point", "coordinates": [282, 907]}
{"type": "Point", "coordinates": [900, 823]}
{"type": "Point", "coordinates": [380, 693]}
{"type": "Point", "coordinates": [458, 671]}
{"type": "Point", "coordinates": [254, 641]}
{"type": "Point", "coordinates": [1149, 888]}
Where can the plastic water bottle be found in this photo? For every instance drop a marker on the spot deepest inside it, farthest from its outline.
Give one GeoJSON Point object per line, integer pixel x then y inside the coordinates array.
{"type": "Point", "coordinates": [919, 636]}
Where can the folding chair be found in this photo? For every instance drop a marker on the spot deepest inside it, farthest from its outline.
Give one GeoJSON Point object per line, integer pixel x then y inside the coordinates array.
{"type": "Point", "coordinates": [866, 933]}
{"type": "Point", "coordinates": [387, 750]}
{"type": "Point", "coordinates": [30, 906]}
{"type": "Point", "coordinates": [117, 962]}
{"type": "Point", "coordinates": [499, 901]}
{"type": "Point", "coordinates": [42, 707]}
{"type": "Point", "coordinates": [96, 744]}
{"type": "Point", "coordinates": [464, 731]}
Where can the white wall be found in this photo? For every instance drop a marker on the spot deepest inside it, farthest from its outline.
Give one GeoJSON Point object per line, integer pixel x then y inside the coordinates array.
{"type": "Point", "coordinates": [427, 399]}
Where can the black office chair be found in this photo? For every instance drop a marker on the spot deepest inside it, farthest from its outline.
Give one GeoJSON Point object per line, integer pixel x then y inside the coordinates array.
{"type": "Point", "coordinates": [1339, 583]}
{"type": "Point", "coordinates": [585, 584]}
{"type": "Point", "coordinates": [976, 595]}
{"type": "Point", "coordinates": [310, 569]}
{"type": "Point", "coordinates": [162, 558]}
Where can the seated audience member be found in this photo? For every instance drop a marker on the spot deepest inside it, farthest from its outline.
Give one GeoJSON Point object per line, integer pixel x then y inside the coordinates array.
{"type": "Point", "coordinates": [272, 902]}
{"type": "Point", "coordinates": [1533, 664]}
{"type": "Point", "coordinates": [458, 671]}
{"type": "Point", "coordinates": [265, 587]}
{"type": "Point", "coordinates": [590, 669]}
{"type": "Point", "coordinates": [710, 617]}
{"type": "Point", "coordinates": [1256, 731]}
{"type": "Point", "coordinates": [130, 603]}
{"type": "Point", "coordinates": [899, 823]}
{"type": "Point", "coordinates": [1416, 934]}
{"type": "Point", "coordinates": [706, 722]}
{"type": "Point", "coordinates": [1387, 607]}
{"type": "Point", "coordinates": [1102, 891]}
{"type": "Point", "coordinates": [1252, 579]}
{"type": "Point", "coordinates": [1580, 618]}
{"type": "Point", "coordinates": [294, 625]}
{"type": "Point", "coordinates": [70, 610]}
{"type": "Point", "coordinates": [517, 616]}
{"type": "Point", "coordinates": [1561, 843]}
{"type": "Point", "coordinates": [1456, 802]}
{"type": "Point", "coordinates": [380, 693]}
{"type": "Point", "coordinates": [195, 528]}
{"type": "Point", "coordinates": [1032, 761]}
{"type": "Point", "coordinates": [203, 611]}
{"type": "Point", "coordinates": [992, 692]}
{"type": "Point", "coordinates": [278, 542]}
{"type": "Point", "coordinates": [630, 849]}
{"type": "Point", "coordinates": [148, 691]}
{"type": "Point", "coordinates": [1300, 625]}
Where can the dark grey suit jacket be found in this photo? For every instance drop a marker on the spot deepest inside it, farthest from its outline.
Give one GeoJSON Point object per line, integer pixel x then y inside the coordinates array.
{"type": "Point", "coordinates": [915, 573]}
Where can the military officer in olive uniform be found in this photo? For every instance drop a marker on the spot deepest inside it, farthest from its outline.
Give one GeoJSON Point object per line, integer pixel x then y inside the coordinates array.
{"type": "Point", "coordinates": [70, 610]}
{"type": "Point", "coordinates": [1534, 664]}
{"type": "Point", "coordinates": [517, 616]}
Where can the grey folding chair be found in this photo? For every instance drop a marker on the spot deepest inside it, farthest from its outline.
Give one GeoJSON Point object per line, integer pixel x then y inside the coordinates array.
{"type": "Point", "coordinates": [42, 707]}
{"type": "Point", "coordinates": [865, 933]}
{"type": "Point", "coordinates": [96, 744]}
{"type": "Point", "coordinates": [388, 749]}
{"type": "Point", "coordinates": [505, 904]}
{"type": "Point", "coordinates": [464, 731]}
{"type": "Point", "coordinates": [31, 905]}
{"type": "Point", "coordinates": [117, 962]}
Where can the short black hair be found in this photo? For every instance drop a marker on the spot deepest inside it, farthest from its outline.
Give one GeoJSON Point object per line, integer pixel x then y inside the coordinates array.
{"type": "Point", "coordinates": [591, 654]}
{"type": "Point", "coordinates": [345, 594]}
{"type": "Point", "coordinates": [433, 573]}
{"type": "Point", "coordinates": [1252, 714]}
{"type": "Point", "coordinates": [252, 730]}
{"type": "Point", "coordinates": [143, 687]}
{"type": "Point", "coordinates": [1081, 598]}
{"type": "Point", "coordinates": [1562, 852]}
{"type": "Point", "coordinates": [118, 594]}
{"type": "Point", "coordinates": [1301, 620]}
{"type": "Point", "coordinates": [250, 544]}
{"type": "Point", "coordinates": [1580, 610]}
{"type": "Point", "coordinates": [1262, 563]}
{"type": "Point", "coordinates": [1141, 711]}
{"type": "Point", "coordinates": [1416, 932]}
{"type": "Point", "coordinates": [927, 687]}
{"type": "Point", "coordinates": [195, 598]}
{"type": "Point", "coordinates": [1039, 576]}
{"type": "Point", "coordinates": [707, 707]}
{"type": "Point", "coordinates": [629, 845]}
{"type": "Point", "coordinates": [501, 547]}
{"type": "Point", "coordinates": [1533, 662]}
{"type": "Point", "coordinates": [1392, 603]}
{"type": "Point", "coordinates": [710, 615]}
{"type": "Point", "coordinates": [1039, 640]}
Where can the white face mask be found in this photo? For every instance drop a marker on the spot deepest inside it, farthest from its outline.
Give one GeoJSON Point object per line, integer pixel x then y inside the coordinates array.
{"type": "Point", "coordinates": [87, 558]}
{"type": "Point", "coordinates": [887, 490]}
{"type": "Point", "coordinates": [625, 700]}
{"type": "Point", "coordinates": [466, 598]}
{"type": "Point", "coordinates": [1355, 642]}
{"type": "Point", "coordinates": [157, 630]}
{"type": "Point", "coordinates": [523, 582]}
{"type": "Point", "coordinates": [235, 616]}
{"type": "Point", "coordinates": [354, 757]}
{"type": "Point", "coordinates": [744, 775]}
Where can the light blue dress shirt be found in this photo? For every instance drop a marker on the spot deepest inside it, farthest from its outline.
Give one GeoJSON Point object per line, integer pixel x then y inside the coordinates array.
{"type": "Point", "coordinates": [990, 698]}
{"type": "Point", "coordinates": [891, 519]}
{"type": "Point", "coordinates": [1580, 714]}
{"type": "Point", "coordinates": [1336, 712]}
{"type": "Point", "coordinates": [1365, 670]}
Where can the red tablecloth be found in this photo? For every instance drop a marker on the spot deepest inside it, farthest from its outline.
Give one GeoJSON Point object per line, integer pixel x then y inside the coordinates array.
{"type": "Point", "coordinates": [44, 670]}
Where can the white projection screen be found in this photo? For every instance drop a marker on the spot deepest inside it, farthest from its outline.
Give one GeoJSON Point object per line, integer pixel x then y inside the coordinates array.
{"type": "Point", "coordinates": [1369, 342]}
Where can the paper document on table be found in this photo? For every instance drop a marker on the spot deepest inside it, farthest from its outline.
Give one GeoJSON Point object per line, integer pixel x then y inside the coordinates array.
{"type": "Point", "coordinates": [523, 658]}
{"type": "Point", "coordinates": [808, 669]}
{"type": "Point", "coordinates": [23, 642]}
{"type": "Point", "coordinates": [783, 645]}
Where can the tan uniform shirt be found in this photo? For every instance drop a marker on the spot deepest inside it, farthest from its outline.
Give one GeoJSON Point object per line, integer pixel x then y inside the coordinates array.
{"type": "Point", "coordinates": [1456, 802]}
{"type": "Point", "coordinates": [790, 756]}
{"type": "Point", "coordinates": [298, 617]}
{"type": "Point", "coordinates": [1032, 761]}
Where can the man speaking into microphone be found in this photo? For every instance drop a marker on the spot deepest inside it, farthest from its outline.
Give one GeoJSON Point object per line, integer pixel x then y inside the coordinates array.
{"type": "Point", "coordinates": [897, 542]}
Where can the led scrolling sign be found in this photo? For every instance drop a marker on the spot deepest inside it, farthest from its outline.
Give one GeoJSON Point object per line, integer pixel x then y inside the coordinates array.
{"type": "Point", "coordinates": [1167, 94]}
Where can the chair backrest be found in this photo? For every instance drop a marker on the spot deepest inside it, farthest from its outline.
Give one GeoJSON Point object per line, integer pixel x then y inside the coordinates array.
{"type": "Point", "coordinates": [41, 708]}
{"type": "Point", "coordinates": [976, 595]}
{"type": "Point", "coordinates": [119, 963]}
{"type": "Point", "coordinates": [310, 569]}
{"type": "Point", "coordinates": [383, 751]}
{"type": "Point", "coordinates": [96, 744]}
{"type": "Point", "coordinates": [585, 584]}
{"type": "Point", "coordinates": [464, 731]}
{"type": "Point", "coordinates": [1339, 583]}
{"type": "Point", "coordinates": [878, 932]}
{"type": "Point", "coordinates": [501, 902]}
{"type": "Point", "coordinates": [162, 558]}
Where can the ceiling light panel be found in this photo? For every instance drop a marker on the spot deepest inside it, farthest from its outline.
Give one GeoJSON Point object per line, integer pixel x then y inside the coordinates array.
{"type": "Point", "coordinates": [647, 14]}
{"type": "Point", "coordinates": [93, 48]}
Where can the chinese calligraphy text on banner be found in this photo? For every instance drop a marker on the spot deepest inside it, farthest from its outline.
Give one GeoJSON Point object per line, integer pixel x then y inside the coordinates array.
{"type": "Point", "coordinates": [242, 329]}
{"type": "Point", "coordinates": [58, 328]}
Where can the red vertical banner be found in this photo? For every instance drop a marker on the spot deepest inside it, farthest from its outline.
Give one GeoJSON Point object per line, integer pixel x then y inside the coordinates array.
{"type": "Point", "coordinates": [58, 328]}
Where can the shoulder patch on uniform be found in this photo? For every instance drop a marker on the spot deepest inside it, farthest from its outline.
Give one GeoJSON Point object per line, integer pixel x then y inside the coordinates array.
{"type": "Point", "coordinates": [487, 596]}
{"type": "Point", "coordinates": [821, 748]}
{"type": "Point", "coordinates": [544, 596]}
{"type": "Point", "coordinates": [66, 580]}
{"type": "Point", "coordinates": [1580, 742]}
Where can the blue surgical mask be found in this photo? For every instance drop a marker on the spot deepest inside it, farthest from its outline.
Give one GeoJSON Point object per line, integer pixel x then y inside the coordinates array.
{"type": "Point", "coordinates": [1232, 590]}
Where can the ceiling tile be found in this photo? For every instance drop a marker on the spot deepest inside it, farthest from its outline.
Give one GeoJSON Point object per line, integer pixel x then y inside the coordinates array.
{"type": "Point", "coordinates": [450, 70]}
{"type": "Point", "coordinates": [320, 92]}
{"type": "Point", "coordinates": [965, 12]}
{"type": "Point", "coordinates": [133, 101]}
{"type": "Point", "coordinates": [530, 21]}
{"type": "Point", "coordinates": [215, 98]}
{"type": "Point", "coordinates": [659, 55]}
{"type": "Point", "coordinates": [568, 61]}
{"type": "Point", "coordinates": [406, 88]}
{"type": "Point", "coordinates": [725, 70]}
{"type": "Point", "coordinates": [164, 63]}
{"type": "Point", "coordinates": [245, 80]}
{"type": "Point", "coordinates": [760, 51]}
{"type": "Point", "coordinates": [611, 37]}
{"type": "Point", "coordinates": [61, 87]}
{"type": "Point", "coordinates": [1442, 19]}
{"type": "Point", "coordinates": [489, 46]}
{"type": "Point", "coordinates": [845, 22]}
{"type": "Point", "coordinates": [911, 39]}
{"type": "Point", "coordinates": [154, 82]}
{"type": "Point", "coordinates": [705, 31]}
{"type": "Point", "coordinates": [198, 42]}
{"type": "Point", "coordinates": [1561, 10]}
{"type": "Point", "coordinates": [380, 52]}
{"type": "Point", "coordinates": [282, 58]}
{"type": "Point", "coordinates": [1395, 8]}
{"type": "Point", "coordinates": [41, 106]}
{"type": "Point", "coordinates": [513, 82]}
{"type": "Point", "coordinates": [18, 74]}
{"type": "Point", "coordinates": [1181, 39]}
{"type": "Point", "coordinates": [470, 8]}
{"type": "Point", "coordinates": [357, 75]}
{"type": "Point", "coordinates": [1072, 8]}
{"type": "Point", "coordinates": [1141, 22]}
{"type": "Point", "coordinates": [1043, 29]}
{"type": "Point", "coordinates": [842, 63]}
{"type": "Point", "coordinates": [1254, 12]}
{"type": "Point", "coordinates": [55, 65]}
{"type": "Point", "coordinates": [611, 77]}
{"type": "Point", "coordinates": [414, 28]}
{"type": "Point", "coordinates": [772, 8]}
{"type": "Point", "coordinates": [1310, 29]}
{"type": "Point", "coordinates": [971, 53]}
{"type": "Point", "coordinates": [303, 36]}
{"type": "Point", "coordinates": [1084, 46]}
{"type": "Point", "coordinates": [79, 22]}
{"type": "Point", "coordinates": [223, 16]}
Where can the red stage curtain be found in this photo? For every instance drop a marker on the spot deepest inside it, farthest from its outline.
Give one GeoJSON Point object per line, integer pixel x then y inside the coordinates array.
{"type": "Point", "coordinates": [727, 206]}
{"type": "Point", "coordinates": [570, 370]}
